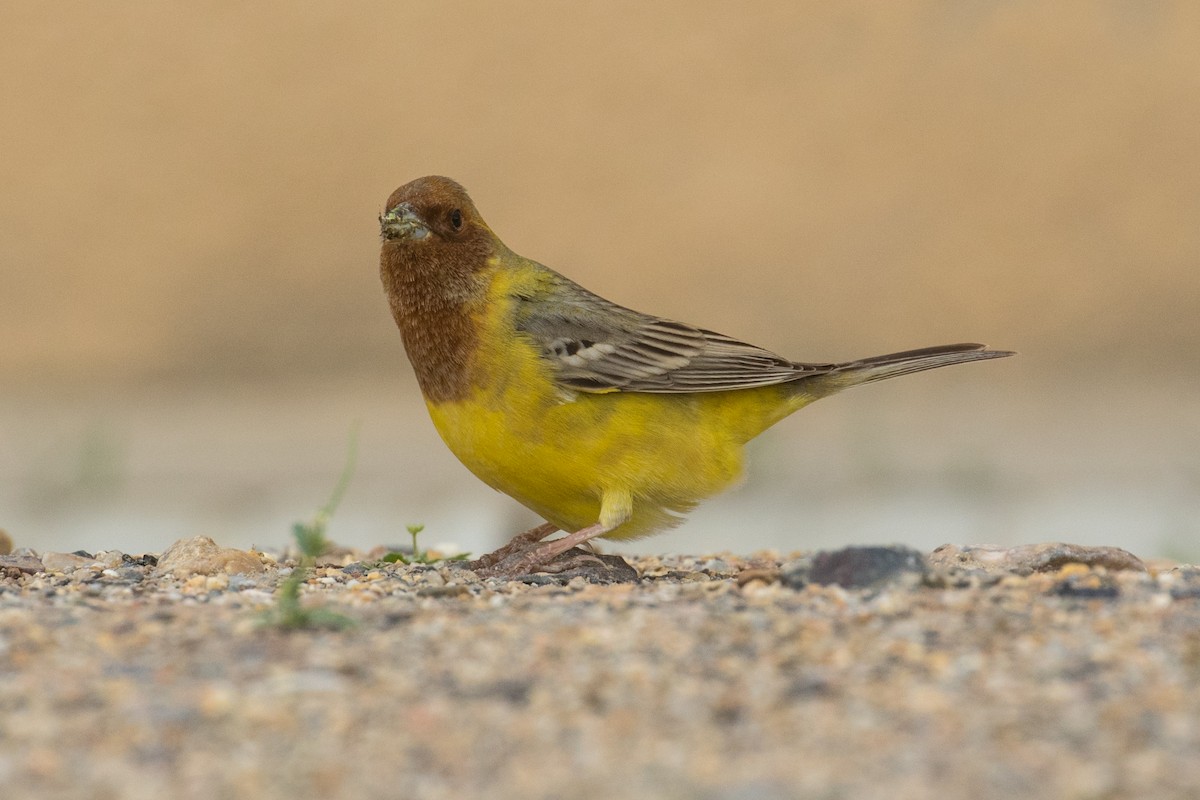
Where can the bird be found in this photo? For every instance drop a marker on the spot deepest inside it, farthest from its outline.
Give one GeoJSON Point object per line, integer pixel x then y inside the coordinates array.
{"type": "Point", "coordinates": [604, 421]}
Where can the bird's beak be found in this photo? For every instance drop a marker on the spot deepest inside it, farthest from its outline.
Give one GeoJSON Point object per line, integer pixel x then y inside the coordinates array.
{"type": "Point", "coordinates": [402, 222]}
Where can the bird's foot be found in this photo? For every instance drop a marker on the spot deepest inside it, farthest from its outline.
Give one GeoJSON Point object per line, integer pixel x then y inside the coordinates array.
{"type": "Point", "coordinates": [573, 563]}
{"type": "Point", "coordinates": [527, 554]}
{"type": "Point", "coordinates": [519, 544]}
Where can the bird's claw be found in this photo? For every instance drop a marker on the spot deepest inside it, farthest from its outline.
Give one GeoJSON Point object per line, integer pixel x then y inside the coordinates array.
{"type": "Point", "coordinates": [576, 562]}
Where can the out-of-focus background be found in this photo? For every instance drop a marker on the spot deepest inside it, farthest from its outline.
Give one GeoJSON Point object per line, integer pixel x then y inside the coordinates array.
{"type": "Point", "coordinates": [191, 319]}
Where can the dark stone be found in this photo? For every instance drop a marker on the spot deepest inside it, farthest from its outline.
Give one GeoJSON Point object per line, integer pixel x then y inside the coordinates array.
{"type": "Point", "coordinates": [857, 567]}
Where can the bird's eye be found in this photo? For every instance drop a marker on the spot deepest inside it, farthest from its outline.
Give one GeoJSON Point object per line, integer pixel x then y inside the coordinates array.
{"type": "Point", "coordinates": [456, 219]}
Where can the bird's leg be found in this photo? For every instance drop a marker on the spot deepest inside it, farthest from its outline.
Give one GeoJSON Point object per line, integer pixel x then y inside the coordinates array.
{"type": "Point", "coordinates": [519, 543]}
{"type": "Point", "coordinates": [536, 559]}
{"type": "Point", "coordinates": [615, 508]}
{"type": "Point", "coordinates": [549, 550]}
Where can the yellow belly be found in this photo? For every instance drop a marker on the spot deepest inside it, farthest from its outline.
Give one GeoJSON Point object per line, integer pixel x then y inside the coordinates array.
{"type": "Point", "coordinates": [560, 454]}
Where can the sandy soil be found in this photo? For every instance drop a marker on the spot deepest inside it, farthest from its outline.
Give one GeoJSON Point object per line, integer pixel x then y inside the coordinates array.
{"type": "Point", "coordinates": [711, 677]}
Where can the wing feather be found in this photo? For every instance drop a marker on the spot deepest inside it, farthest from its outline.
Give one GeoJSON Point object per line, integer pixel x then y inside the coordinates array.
{"type": "Point", "coordinates": [598, 346]}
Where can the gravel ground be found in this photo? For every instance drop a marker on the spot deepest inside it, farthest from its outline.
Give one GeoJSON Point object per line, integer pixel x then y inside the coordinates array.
{"type": "Point", "coordinates": [710, 677]}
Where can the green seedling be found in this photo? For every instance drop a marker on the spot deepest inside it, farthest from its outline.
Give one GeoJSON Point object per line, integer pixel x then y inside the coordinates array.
{"type": "Point", "coordinates": [419, 556]}
{"type": "Point", "coordinates": [311, 541]}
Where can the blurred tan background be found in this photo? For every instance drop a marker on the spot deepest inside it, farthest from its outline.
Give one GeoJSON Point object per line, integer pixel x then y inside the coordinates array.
{"type": "Point", "coordinates": [191, 318]}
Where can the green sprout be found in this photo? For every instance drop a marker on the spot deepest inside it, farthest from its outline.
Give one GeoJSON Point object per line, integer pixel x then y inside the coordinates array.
{"type": "Point", "coordinates": [413, 530]}
{"type": "Point", "coordinates": [289, 613]}
{"type": "Point", "coordinates": [418, 555]}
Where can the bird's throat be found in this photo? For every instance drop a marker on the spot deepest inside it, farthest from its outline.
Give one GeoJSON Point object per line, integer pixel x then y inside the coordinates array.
{"type": "Point", "coordinates": [431, 305]}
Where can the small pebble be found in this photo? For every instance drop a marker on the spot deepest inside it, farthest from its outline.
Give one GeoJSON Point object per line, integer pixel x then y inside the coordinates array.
{"type": "Point", "coordinates": [1030, 558]}
{"type": "Point", "coordinates": [66, 562]}
{"type": "Point", "coordinates": [28, 564]}
{"type": "Point", "coordinates": [201, 555]}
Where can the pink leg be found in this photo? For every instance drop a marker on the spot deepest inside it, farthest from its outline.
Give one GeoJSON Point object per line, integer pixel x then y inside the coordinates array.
{"type": "Point", "coordinates": [515, 563]}
{"type": "Point", "coordinates": [520, 542]}
{"type": "Point", "coordinates": [549, 550]}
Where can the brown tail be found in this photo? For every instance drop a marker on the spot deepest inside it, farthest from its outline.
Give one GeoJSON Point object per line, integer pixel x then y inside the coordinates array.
{"type": "Point", "coordinates": [878, 368]}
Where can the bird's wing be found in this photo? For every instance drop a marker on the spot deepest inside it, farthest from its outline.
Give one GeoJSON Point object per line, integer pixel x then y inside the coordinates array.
{"type": "Point", "coordinates": [598, 346]}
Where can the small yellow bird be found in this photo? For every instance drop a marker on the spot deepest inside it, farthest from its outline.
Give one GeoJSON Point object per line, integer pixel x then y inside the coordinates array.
{"type": "Point", "coordinates": [603, 420]}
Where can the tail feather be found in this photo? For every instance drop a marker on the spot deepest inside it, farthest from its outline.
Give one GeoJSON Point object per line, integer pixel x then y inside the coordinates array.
{"type": "Point", "coordinates": [878, 368]}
